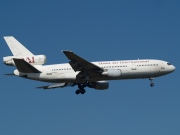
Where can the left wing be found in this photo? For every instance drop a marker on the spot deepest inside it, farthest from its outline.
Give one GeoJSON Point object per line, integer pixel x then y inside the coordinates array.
{"type": "Point", "coordinates": [87, 69]}
{"type": "Point", "coordinates": [78, 63]}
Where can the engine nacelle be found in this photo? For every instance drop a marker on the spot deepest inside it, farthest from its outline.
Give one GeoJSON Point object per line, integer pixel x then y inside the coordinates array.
{"type": "Point", "coordinates": [17, 73]}
{"type": "Point", "coordinates": [100, 85]}
{"type": "Point", "coordinates": [112, 73]}
{"type": "Point", "coordinates": [34, 60]}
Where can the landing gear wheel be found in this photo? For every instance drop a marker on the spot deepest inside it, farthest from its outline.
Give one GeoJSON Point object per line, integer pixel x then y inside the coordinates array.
{"type": "Point", "coordinates": [81, 86]}
{"type": "Point", "coordinates": [152, 84]}
{"type": "Point", "coordinates": [83, 91]}
{"type": "Point", "coordinates": [77, 92]}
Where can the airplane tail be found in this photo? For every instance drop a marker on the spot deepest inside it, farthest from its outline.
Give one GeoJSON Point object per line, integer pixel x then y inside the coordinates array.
{"type": "Point", "coordinates": [16, 47]}
{"type": "Point", "coordinates": [21, 52]}
{"type": "Point", "coordinates": [25, 67]}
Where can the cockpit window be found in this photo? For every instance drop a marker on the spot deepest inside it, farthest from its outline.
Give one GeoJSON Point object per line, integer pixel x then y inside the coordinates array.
{"type": "Point", "coordinates": [168, 63]}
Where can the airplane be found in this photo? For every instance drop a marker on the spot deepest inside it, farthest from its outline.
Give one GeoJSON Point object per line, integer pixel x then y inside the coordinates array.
{"type": "Point", "coordinates": [79, 71]}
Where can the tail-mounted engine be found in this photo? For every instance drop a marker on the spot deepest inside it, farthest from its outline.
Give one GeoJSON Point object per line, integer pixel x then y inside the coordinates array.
{"type": "Point", "coordinates": [34, 60]}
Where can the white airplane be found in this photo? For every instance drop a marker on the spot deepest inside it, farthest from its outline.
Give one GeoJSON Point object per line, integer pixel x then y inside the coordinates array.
{"type": "Point", "coordinates": [79, 71]}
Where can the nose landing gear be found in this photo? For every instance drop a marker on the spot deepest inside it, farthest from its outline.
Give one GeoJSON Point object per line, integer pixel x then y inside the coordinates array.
{"type": "Point", "coordinates": [152, 83]}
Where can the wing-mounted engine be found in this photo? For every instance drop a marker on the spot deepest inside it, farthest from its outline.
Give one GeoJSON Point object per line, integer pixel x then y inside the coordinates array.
{"type": "Point", "coordinates": [112, 73]}
{"type": "Point", "coordinates": [99, 85]}
{"type": "Point", "coordinates": [33, 60]}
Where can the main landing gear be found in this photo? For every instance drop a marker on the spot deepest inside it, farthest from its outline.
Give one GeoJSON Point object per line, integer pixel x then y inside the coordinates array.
{"type": "Point", "coordinates": [81, 89]}
{"type": "Point", "coordinates": [152, 83]}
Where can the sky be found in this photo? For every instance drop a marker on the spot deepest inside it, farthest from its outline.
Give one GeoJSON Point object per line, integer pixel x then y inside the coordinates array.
{"type": "Point", "coordinates": [96, 30]}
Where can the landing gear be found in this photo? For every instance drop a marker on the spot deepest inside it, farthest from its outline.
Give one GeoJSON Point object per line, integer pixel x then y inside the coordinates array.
{"type": "Point", "coordinates": [81, 88]}
{"type": "Point", "coordinates": [83, 91]}
{"type": "Point", "coordinates": [77, 92]}
{"type": "Point", "coordinates": [152, 83]}
{"type": "Point", "coordinates": [80, 91]}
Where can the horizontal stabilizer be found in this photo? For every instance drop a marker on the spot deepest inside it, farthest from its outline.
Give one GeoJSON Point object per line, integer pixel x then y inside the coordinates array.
{"type": "Point", "coordinates": [10, 74]}
{"type": "Point", "coordinates": [25, 67]}
{"type": "Point", "coordinates": [58, 85]}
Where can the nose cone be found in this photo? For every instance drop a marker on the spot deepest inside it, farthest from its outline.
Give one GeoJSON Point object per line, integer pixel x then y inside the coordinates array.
{"type": "Point", "coordinates": [173, 68]}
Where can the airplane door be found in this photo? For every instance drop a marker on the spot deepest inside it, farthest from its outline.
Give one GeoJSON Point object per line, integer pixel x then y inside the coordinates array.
{"type": "Point", "coordinates": [133, 67]}
{"type": "Point", "coordinates": [162, 66]}
{"type": "Point", "coordinates": [49, 71]}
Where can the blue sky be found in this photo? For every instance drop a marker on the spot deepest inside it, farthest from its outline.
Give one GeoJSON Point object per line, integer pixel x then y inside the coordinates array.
{"type": "Point", "coordinates": [95, 30]}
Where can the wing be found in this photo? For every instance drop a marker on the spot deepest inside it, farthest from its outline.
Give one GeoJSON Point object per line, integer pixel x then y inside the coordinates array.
{"type": "Point", "coordinates": [58, 85]}
{"type": "Point", "coordinates": [87, 69]}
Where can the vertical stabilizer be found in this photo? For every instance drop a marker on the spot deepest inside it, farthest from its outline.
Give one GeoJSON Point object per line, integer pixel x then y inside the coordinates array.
{"type": "Point", "coordinates": [16, 47]}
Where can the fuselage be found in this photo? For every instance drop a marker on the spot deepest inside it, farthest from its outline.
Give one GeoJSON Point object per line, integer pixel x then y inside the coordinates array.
{"type": "Point", "coordinates": [79, 71]}
{"type": "Point", "coordinates": [128, 69]}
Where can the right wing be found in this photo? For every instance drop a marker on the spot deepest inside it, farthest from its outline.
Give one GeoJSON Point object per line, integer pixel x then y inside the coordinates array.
{"type": "Point", "coordinates": [58, 85]}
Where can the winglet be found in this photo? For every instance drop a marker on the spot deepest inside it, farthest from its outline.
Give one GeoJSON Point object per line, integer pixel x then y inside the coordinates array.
{"type": "Point", "coordinates": [25, 67]}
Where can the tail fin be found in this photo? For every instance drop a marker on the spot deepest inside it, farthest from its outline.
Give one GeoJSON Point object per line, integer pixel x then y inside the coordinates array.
{"type": "Point", "coordinates": [16, 47]}
{"type": "Point", "coordinates": [21, 52]}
